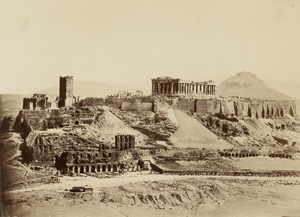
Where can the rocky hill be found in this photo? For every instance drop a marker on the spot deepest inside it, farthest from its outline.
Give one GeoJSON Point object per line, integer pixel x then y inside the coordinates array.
{"type": "Point", "coordinates": [246, 84]}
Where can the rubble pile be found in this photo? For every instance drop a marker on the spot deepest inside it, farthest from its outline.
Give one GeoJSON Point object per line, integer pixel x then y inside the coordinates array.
{"type": "Point", "coordinates": [157, 126]}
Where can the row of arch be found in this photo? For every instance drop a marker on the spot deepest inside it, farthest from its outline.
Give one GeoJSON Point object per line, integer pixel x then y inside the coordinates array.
{"type": "Point", "coordinates": [100, 168]}
{"type": "Point", "coordinates": [90, 157]}
{"type": "Point", "coordinates": [281, 155]}
{"type": "Point", "coordinates": [236, 154]}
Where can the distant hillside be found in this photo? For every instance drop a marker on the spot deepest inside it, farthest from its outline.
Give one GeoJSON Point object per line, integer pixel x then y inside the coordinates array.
{"type": "Point", "coordinates": [289, 88]}
{"type": "Point", "coordinates": [246, 84]}
{"type": "Point", "coordinates": [96, 89]}
{"type": "Point", "coordinates": [10, 104]}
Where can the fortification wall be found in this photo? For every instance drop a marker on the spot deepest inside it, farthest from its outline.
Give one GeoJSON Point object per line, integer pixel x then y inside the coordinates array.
{"type": "Point", "coordinates": [183, 104]}
{"type": "Point", "coordinates": [235, 106]}
{"type": "Point", "coordinates": [247, 107]}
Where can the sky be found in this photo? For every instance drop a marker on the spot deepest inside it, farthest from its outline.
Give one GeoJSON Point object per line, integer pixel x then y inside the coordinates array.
{"type": "Point", "coordinates": [117, 41]}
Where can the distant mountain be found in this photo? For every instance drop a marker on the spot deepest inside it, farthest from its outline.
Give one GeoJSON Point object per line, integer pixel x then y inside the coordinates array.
{"type": "Point", "coordinates": [97, 89]}
{"type": "Point", "coordinates": [246, 84]}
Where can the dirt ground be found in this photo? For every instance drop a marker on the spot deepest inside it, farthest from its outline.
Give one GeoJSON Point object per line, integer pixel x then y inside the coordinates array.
{"type": "Point", "coordinates": [192, 134]}
{"type": "Point", "coordinates": [161, 196]}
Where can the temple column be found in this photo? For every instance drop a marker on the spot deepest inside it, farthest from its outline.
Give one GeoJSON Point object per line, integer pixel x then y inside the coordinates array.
{"type": "Point", "coordinates": [172, 89]}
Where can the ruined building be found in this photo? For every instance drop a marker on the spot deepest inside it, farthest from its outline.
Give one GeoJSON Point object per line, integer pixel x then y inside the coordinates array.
{"type": "Point", "coordinates": [40, 102]}
{"type": "Point", "coordinates": [176, 87]}
{"type": "Point", "coordinates": [45, 101]}
{"type": "Point", "coordinates": [72, 154]}
{"type": "Point", "coordinates": [65, 91]}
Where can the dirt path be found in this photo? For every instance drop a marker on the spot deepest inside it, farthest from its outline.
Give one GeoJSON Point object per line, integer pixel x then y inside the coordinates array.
{"type": "Point", "coordinates": [191, 133]}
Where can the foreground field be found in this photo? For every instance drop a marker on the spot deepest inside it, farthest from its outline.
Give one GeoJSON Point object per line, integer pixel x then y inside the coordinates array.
{"type": "Point", "coordinates": [160, 195]}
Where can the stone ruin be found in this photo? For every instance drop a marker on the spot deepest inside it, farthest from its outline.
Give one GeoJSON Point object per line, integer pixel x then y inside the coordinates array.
{"type": "Point", "coordinates": [45, 101]}
{"type": "Point", "coordinates": [71, 154]}
{"type": "Point", "coordinates": [177, 87]}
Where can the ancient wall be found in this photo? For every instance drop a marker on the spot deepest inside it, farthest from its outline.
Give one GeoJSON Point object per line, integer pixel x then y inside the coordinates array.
{"type": "Point", "coordinates": [40, 102]}
{"type": "Point", "coordinates": [137, 106]}
{"type": "Point", "coordinates": [234, 106]}
{"type": "Point", "coordinates": [36, 119]}
{"type": "Point", "coordinates": [254, 108]}
{"type": "Point", "coordinates": [183, 104]}
{"type": "Point", "coordinates": [71, 153]}
{"type": "Point", "coordinates": [124, 142]}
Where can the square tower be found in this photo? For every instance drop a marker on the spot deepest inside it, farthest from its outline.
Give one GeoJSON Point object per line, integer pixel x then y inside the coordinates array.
{"type": "Point", "coordinates": [65, 91]}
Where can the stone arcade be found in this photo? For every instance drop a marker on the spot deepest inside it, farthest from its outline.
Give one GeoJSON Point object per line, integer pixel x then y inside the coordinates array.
{"type": "Point", "coordinates": [72, 154]}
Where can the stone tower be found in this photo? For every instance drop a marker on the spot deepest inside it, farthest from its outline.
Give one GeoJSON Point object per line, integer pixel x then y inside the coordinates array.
{"type": "Point", "coordinates": [65, 91]}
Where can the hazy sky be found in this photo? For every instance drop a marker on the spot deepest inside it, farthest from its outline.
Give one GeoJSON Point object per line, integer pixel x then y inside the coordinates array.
{"type": "Point", "coordinates": [118, 41]}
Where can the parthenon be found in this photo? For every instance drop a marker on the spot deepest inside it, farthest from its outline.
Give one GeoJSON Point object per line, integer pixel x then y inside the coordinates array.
{"type": "Point", "coordinates": [175, 86]}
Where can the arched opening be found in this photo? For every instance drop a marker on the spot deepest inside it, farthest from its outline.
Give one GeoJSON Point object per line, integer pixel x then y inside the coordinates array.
{"type": "Point", "coordinates": [291, 111]}
{"type": "Point", "coordinates": [109, 168]}
{"type": "Point", "coordinates": [81, 169]}
{"type": "Point", "coordinates": [71, 169]}
{"type": "Point", "coordinates": [98, 168]}
{"type": "Point", "coordinates": [76, 122]}
{"type": "Point", "coordinates": [89, 157]}
{"type": "Point", "coordinates": [115, 168]}
{"type": "Point", "coordinates": [281, 112]}
{"type": "Point", "coordinates": [93, 169]}
{"type": "Point", "coordinates": [249, 112]}
{"type": "Point", "coordinates": [87, 169]}
{"type": "Point", "coordinates": [76, 169]}
{"type": "Point", "coordinates": [236, 154]}
{"type": "Point", "coordinates": [103, 168]}
{"type": "Point", "coordinates": [104, 155]}
{"type": "Point", "coordinates": [109, 155]}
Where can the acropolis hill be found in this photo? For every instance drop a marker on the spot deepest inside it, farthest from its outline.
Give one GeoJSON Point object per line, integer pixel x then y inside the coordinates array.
{"type": "Point", "coordinates": [182, 128]}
